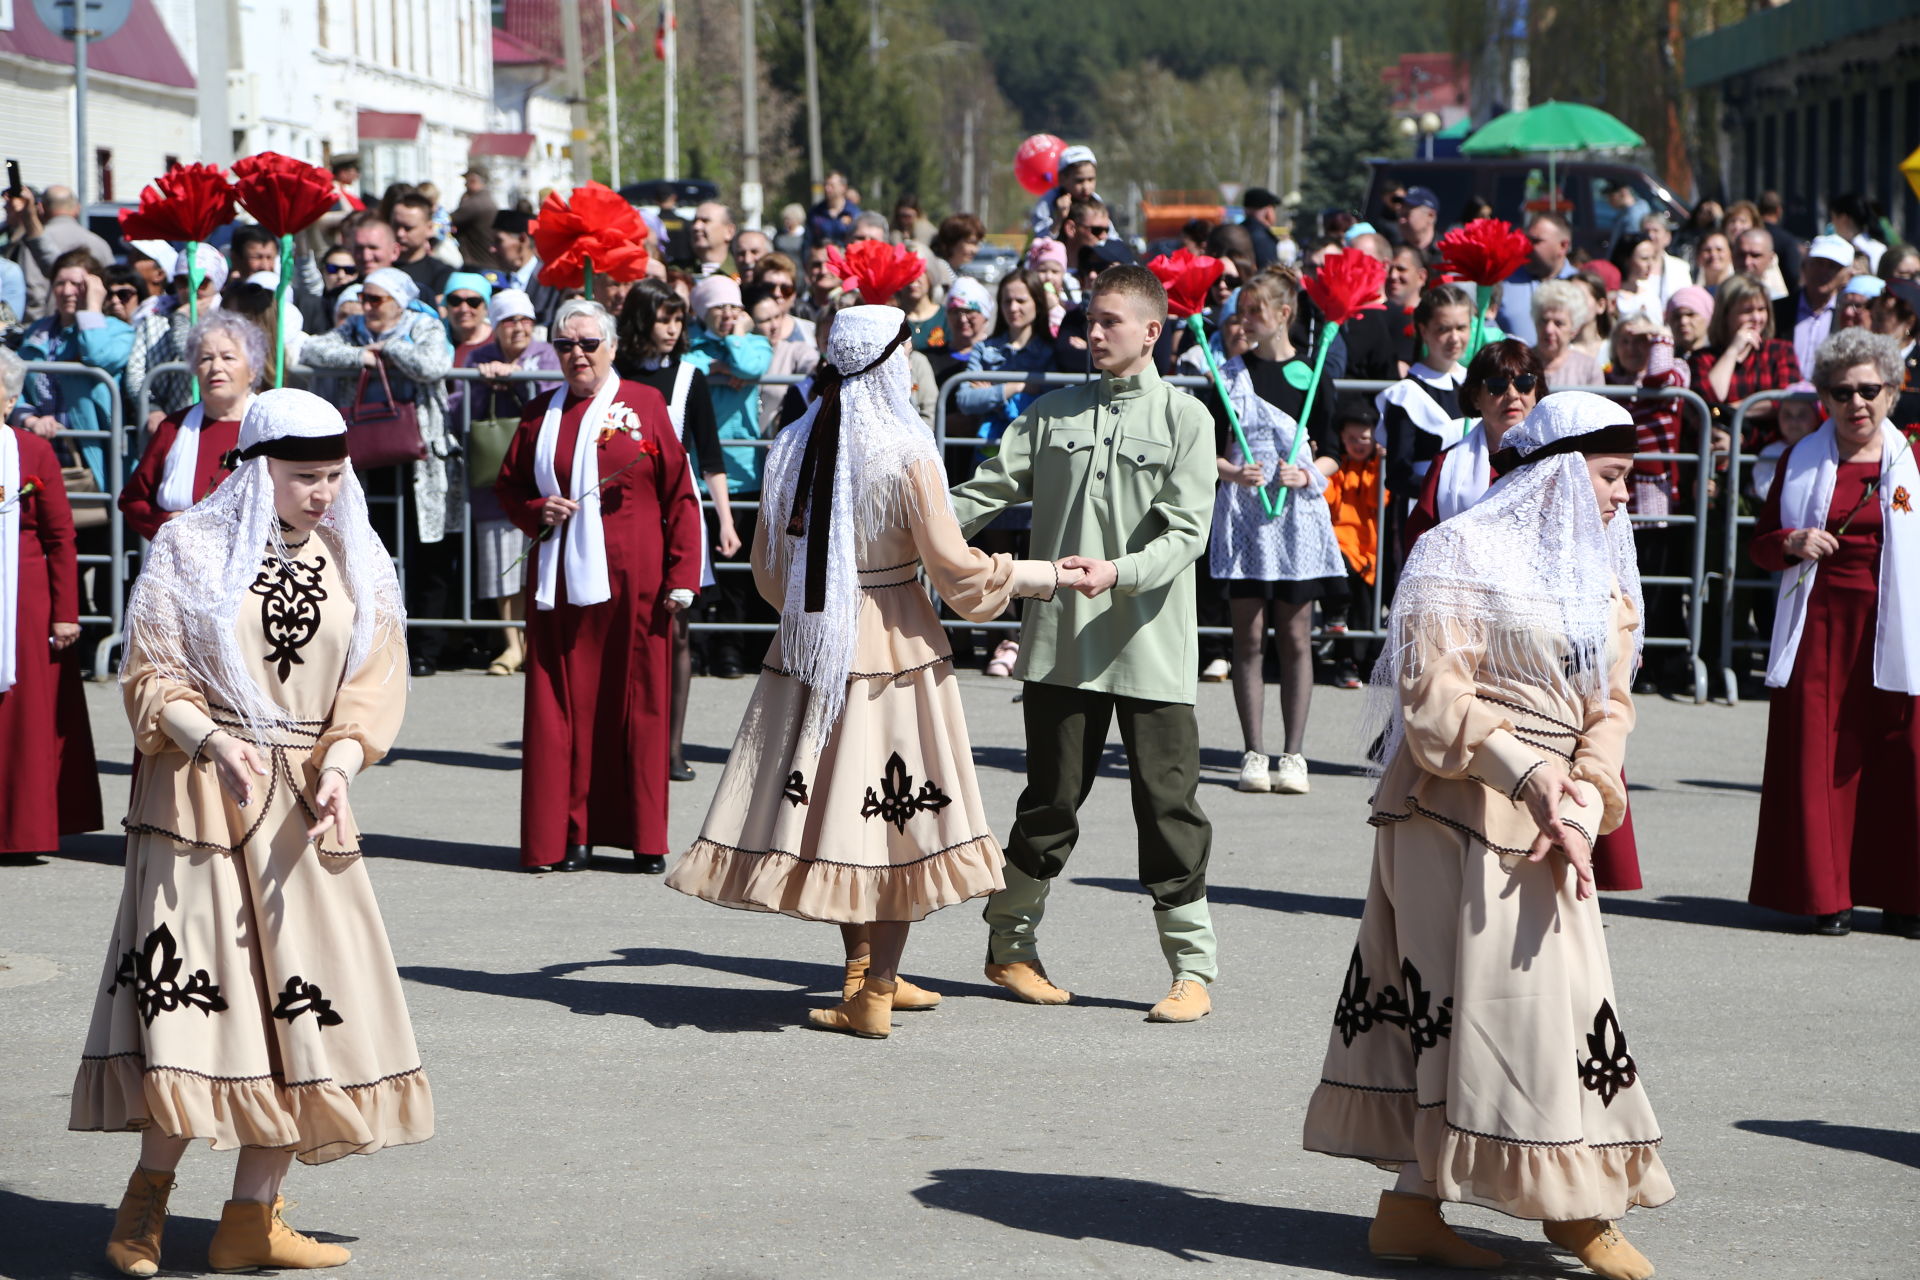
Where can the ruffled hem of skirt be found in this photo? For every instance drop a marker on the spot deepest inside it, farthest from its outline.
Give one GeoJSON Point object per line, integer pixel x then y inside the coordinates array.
{"type": "Point", "coordinates": [318, 1120]}
{"type": "Point", "coordinates": [1537, 1181]}
{"type": "Point", "coordinates": [838, 892]}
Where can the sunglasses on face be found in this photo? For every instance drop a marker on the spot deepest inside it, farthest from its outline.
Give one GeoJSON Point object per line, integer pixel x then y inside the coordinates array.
{"type": "Point", "coordinates": [1844, 394]}
{"type": "Point", "coordinates": [465, 300]}
{"type": "Point", "coordinates": [124, 293]}
{"type": "Point", "coordinates": [780, 290]}
{"type": "Point", "coordinates": [1101, 231]}
{"type": "Point", "coordinates": [1524, 383]}
{"type": "Point", "coordinates": [588, 345]}
{"type": "Point", "coordinates": [339, 268]}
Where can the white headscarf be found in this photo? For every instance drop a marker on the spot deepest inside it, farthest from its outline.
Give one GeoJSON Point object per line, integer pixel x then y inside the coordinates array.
{"type": "Point", "coordinates": [871, 437]}
{"type": "Point", "coordinates": [182, 612]}
{"type": "Point", "coordinates": [1526, 577]}
{"type": "Point", "coordinates": [397, 285]}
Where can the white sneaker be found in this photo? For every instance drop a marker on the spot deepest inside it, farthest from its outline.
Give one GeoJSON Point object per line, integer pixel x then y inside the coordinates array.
{"type": "Point", "coordinates": [1216, 671]}
{"type": "Point", "coordinates": [1253, 773]}
{"type": "Point", "coordinates": [1290, 775]}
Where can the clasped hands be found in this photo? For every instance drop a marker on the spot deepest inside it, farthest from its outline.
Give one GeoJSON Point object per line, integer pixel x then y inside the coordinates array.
{"type": "Point", "coordinates": [1088, 575]}
{"type": "Point", "coordinates": [238, 763]}
{"type": "Point", "coordinates": [1542, 792]}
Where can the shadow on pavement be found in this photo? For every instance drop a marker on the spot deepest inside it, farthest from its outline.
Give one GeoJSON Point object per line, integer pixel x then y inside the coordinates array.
{"type": "Point", "coordinates": [445, 853]}
{"type": "Point", "coordinates": [1889, 1144]}
{"type": "Point", "coordinates": [453, 759]}
{"type": "Point", "coordinates": [1721, 913]}
{"type": "Point", "coordinates": [1188, 1225]}
{"type": "Point", "coordinates": [1713, 785]}
{"type": "Point", "coordinates": [109, 849]}
{"type": "Point", "coordinates": [1266, 899]}
{"type": "Point", "coordinates": [60, 1240]}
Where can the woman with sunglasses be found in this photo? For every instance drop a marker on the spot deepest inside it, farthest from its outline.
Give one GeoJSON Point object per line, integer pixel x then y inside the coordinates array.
{"type": "Point", "coordinates": [1503, 383]}
{"type": "Point", "coordinates": [597, 473]}
{"type": "Point", "coordinates": [1838, 806]}
{"type": "Point", "coordinates": [464, 304]}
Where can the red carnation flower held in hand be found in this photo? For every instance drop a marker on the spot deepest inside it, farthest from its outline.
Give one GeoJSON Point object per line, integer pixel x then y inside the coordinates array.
{"type": "Point", "coordinates": [1187, 276]}
{"type": "Point", "coordinates": [1486, 250]}
{"type": "Point", "coordinates": [188, 202]}
{"type": "Point", "coordinates": [1347, 284]}
{"type": "Point", "coordinates": [594, 223]}
{"type": "Point", "coordinates": [284, 195]}
{"type": "Point", "coordinates": [875, 269]}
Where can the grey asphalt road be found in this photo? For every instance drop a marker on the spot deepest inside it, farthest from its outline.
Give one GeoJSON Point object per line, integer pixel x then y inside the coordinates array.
{"type": "Point", "coordinates": [625, 1090]}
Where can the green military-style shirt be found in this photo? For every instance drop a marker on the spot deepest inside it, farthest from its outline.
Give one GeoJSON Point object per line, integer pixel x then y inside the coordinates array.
{"type": "Point", "coordinates": [1121, 469]}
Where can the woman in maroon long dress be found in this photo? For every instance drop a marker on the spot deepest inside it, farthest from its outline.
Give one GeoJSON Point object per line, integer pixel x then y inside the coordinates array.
{"type": "Point", "coordinates": [46, 740]}
{"type": "Point", "coordinates": [186, 453]}
{"type": "Point", "coordinates": [1840, 803]}
{"type": "Point", "coordinates": [598, 473]}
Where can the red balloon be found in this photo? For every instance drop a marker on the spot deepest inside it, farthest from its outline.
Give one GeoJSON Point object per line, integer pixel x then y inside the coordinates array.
{"type": "Point", "coordinates": [1037, 163]}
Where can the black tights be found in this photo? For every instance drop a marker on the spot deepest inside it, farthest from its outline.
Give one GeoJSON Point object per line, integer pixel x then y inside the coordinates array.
{"type": "Point", "coordinates": [1293, 633]}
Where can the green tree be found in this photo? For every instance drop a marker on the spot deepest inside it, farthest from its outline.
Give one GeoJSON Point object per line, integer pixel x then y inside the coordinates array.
{"type": "Point", "coordinates": [1354, 124]}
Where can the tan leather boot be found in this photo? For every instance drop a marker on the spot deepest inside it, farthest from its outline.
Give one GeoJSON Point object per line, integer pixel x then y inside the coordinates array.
{"type": "Point", "coordinates": [906, 996]}
{"type": "Point", "coordinates": [1601, 1247]}
{"type": "Point", "coordinates": [1408, 1228]}
{"type": "Point", "coordinates": [252, 1235]}
{"type": "Point", "coordinates": [134, 1246]}
{"type": "Point", "coordinates": [1027, 980]}
{"type": "Point", "coordinates": [1187, 1002]}
{"type": "Point", "coordinates": [868, 1015]}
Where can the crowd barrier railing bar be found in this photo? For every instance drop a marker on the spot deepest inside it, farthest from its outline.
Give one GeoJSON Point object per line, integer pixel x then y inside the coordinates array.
{"type": "Point", "coordinates": [1735, 517]}
{"type": "Point", "coordinates": [114, 561]}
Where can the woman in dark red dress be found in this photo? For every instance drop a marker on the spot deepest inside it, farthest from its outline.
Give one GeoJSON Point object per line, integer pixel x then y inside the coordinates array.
{"type": "Point", "coordinates": [1840, 805]}
{"type": "Point", "coordinates": [597, 471]}
{"type": "Point", "coordinates": [186, 454]}
{"type": "Point", "coordinates": [46, 741]}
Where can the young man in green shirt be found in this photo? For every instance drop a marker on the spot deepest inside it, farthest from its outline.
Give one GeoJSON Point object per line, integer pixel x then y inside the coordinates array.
{"type": "Point", "coordinates": [1121, 476]}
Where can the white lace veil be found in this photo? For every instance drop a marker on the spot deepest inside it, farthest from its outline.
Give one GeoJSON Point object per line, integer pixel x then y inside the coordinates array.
{"type": "Point", "coordinates": [1524, 578]}
{"type": "Point", "coordinates": [870, 437]}
{"type": "Point", "coordinates": [196, 575]}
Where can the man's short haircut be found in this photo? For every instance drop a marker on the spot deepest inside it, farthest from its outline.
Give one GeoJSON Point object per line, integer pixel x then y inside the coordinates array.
{"type": "Point", "coordinates": [1130, 281]}
{"type": "Point", "coordinates": [1557, 221]}
{"type": "Point", "coordinates": [1080, 210]}
{"type": "Point", "coordinates": [1771, 205]}
{"type": "Point", "coordinates": [414, 200]}
{"type": "Point", "coordinates": [248, 234]}
{"type": "Point", "coordinates": [1355, 411]}
{"type": "Point", "coordinates": [373, 224]}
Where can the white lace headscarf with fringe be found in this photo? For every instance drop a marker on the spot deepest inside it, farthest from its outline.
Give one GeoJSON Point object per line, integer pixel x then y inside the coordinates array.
{"type": "Point", "coordinates": [182, 613]}
{"type": "Point", "coordinates": [880, 439]}
{"type": "Point", "coordinates": [1525, 578]}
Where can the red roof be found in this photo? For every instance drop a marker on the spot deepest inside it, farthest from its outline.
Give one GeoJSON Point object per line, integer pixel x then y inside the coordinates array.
{"type": "Point", "coordinates": [140, 50]}
{"type": "Point", "coordinates": [388, 126]}
{"type": "Point", "coordinates": [511, 51]}
{"type": "Point", "coordinates": [514, 146]}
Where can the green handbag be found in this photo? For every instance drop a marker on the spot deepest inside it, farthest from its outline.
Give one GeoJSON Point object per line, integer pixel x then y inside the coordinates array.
{"type": "Point", "coordinates": [487, 441]}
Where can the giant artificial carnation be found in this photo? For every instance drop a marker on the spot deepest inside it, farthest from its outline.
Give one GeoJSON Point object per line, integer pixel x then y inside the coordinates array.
{"type": "Point", "coordinates": [875, 269]}
{"type": "Point", "coordinates": [1486, 250]}
{"type": "Point", "coordinates": [1187, 276]}
{"type": "Point", "coordinates": [594, 228]}
{"type": "Point", "coordinates": [1346, 284]}
{"type": "Point", "coordinates": [187, 202]}
{"type": "Point", "coordinates": [284, 195]}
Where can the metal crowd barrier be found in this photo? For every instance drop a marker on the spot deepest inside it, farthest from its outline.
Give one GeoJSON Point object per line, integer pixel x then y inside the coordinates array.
{"type": "Point", "coordinates": [1736, 518]}
{"type": "Point", "coordinates": [113, 563]}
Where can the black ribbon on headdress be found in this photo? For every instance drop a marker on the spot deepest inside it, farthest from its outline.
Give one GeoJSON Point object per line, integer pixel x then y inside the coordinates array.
{"type": "Point", "coordinates": [290, 449]}
{"type": "Point", "coordinates": [812, 515]}
{"type": "Point", "coordinates": [1620, 438]}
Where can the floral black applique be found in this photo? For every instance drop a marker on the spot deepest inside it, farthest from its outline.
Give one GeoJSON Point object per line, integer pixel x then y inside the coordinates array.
{"type": "Point", "coordinates": [1413, 1010]}
{"type": "Point", "coordinates": [154, 974]}
{"type": "Point", "coordinates": [290, 595]}
{"type": "Point", "coordinates": [1354, 1015]}
{"type": "Point", "coordinates": [302, 997]}
{"type": "Point", "coordinates": [795, 791]}
{"type": "Point", "coordinates": [1608, 1067]}
{"type": "Point", "coordinates": [897, 803]}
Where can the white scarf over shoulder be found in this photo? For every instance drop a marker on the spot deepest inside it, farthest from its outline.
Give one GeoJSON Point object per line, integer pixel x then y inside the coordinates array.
{"type": "Point", "coordinates": [9, 556]}
{"type": "Point", "coordinates": [1466, 473]}
{"type": "Point", "coordinates": [1812, 469]}
{"type": "Point", "coordinates": [582, 539]}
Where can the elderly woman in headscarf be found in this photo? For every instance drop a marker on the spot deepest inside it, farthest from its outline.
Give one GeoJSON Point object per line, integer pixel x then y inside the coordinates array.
{"type": "Point", "coordinates": [1838, 806]}
{"type": "Point", "coordinates": [46, 739]}
{"type": "Point", "coordinates": [850, 796]}
{"type": "Point", "coordinates": [160, 335]}
{"type": "Point", "coordinates": [185, 456]}
{"type": "Point", "coordinates": [397, 331]}
{"type": "Point", "coordinates": [598, 474]}
{"type": "Point", "coordinates": [249, 997]}
{"type": "Point", "coordinates": [1477, 1043]}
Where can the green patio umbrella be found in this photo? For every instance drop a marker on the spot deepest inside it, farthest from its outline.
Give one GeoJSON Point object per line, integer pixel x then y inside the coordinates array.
{"type": "Point", "coordinates": [1552, 127]}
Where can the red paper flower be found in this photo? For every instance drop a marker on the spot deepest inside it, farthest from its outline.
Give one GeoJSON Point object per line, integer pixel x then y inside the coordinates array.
{"type": "Point", "coordinates": [875, 269]}
{"type": "Point", "coordinates": [1347, 284]}
{"type": "Point", "coordinates": [284, 195]}
{"type": "Point", "coordinates": [594, 223]}
{"type": "Point", "coordinates": [1187, 276]}
{"type": "Point", "coordinates": [1486, 250]}
{"type": "Point", "coordinates": [188, 202]}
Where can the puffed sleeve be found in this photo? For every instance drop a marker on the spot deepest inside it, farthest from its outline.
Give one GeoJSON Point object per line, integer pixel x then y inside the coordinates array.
{"type": "Point", "coordinates": [1450, 732]}
{"type": "Point", "coordinates": [368, 709]}
{"type": "Point", "coordinates": [166, 714]}
{"type": "Point", "coordinates": [1602, 752]}
{"type": "Point", "coordinates": [976, 584]}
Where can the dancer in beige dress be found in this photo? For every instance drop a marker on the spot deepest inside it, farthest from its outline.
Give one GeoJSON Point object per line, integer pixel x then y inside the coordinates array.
{"type": "Point", "coordinates": [850, 795]}
{"type": "Point", "coordinates": [1478, 1045]}
{"type": "Point", "coordinates": [249, 997]}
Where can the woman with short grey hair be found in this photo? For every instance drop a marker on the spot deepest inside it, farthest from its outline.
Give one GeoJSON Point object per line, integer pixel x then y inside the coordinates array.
{"type": "Point", "coordinates": [186, 454]}
{"type": "Point", "coordinates": [13, 378]}
{"type": "Point", "coordinates": [1839, 812]}
{"type": "Point", "coordinates": [1561, 309]}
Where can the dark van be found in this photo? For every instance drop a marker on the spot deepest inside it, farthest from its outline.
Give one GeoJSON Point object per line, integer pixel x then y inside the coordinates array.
{"type": "Point", "coordinates": [1517, 188]}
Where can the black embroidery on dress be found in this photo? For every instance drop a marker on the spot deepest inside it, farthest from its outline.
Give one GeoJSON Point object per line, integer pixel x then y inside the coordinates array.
{"type": "Point", "coordinates": [290, 593]}
{"type": "Point", "coordinates": [796, 789]}
{"type": "Point", "coordinates": [302, 997]}
{"type": "Point", "coordinates": [897, 803]}
{"type": "Point", "coordinates": [1413, 1011]}
{"type": "Point", "coordinates": [153, 972]}
{"type": "Point", "coordinates": [1608, 1067]}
